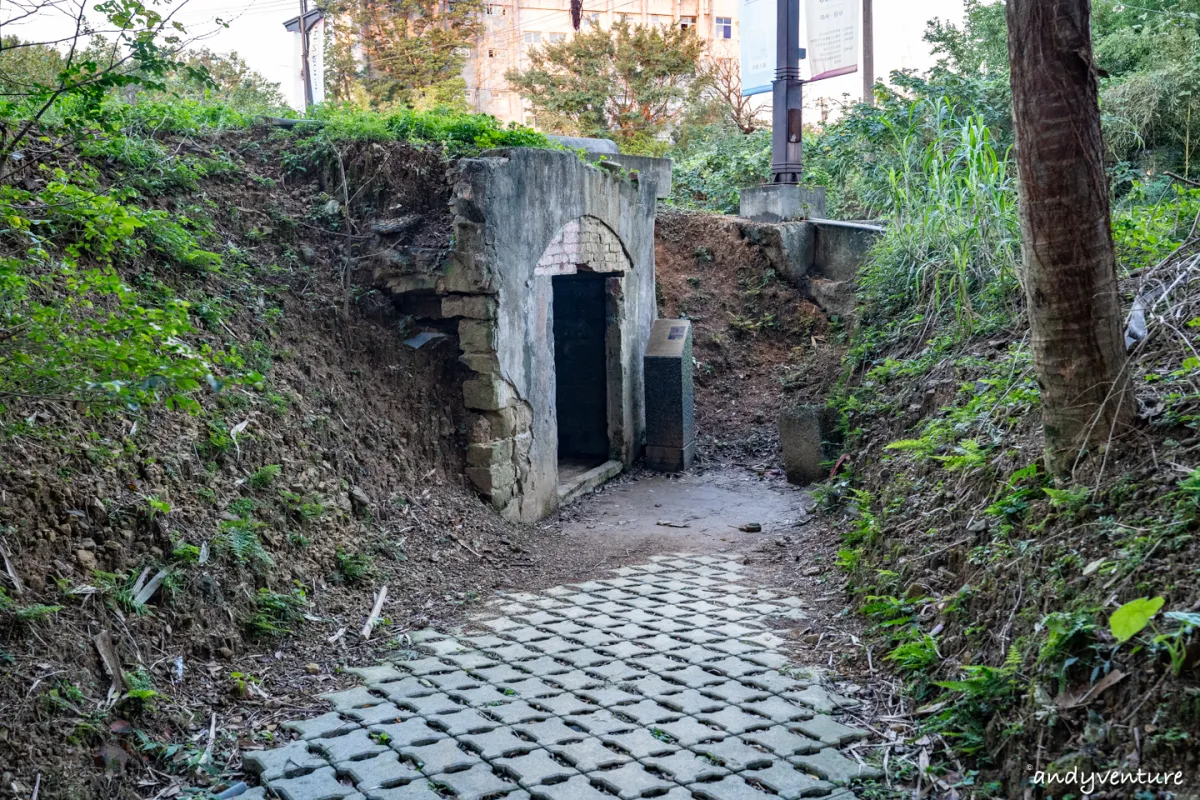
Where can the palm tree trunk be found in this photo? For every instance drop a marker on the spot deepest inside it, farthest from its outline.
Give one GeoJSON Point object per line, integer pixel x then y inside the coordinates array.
{"type": "Point", "coordinates": [1069, 266]}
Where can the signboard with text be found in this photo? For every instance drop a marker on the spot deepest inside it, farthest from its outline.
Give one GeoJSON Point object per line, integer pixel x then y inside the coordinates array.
{"type": "Point", "coordinates": [832, 37]}
{"type": "Point", "coordinates": [757, 27]}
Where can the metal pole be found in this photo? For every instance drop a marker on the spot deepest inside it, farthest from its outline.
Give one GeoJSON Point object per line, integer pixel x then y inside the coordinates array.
{"type": "Point", "coordinates": [868, 24]}
{"type": "Point", "coordinates": [304, 69]}
{"type": "Point", "coordinates": [787, 157]}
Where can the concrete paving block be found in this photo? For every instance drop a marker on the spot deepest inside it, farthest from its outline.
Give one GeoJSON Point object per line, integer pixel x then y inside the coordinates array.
{"type": "Point", "coordinates": [497, 743]}
{"type": "Point", "coordinates": [777, 708]}
{"type": "Point", "coordinates": [690, 702]}
{"type": "Point", "coordinates": [834, 767]}
{"type": "Point", "coordinates": [767, 658]}
{"type": "Point", "coordinates": [773, 682]}
{"type": "Point", "coordinates": [608, 696]}
{"type": "Point", "coordinates": [617, 671]}
{"type": "Point", "coordinates": [424, 666]}
{"type": "Point", "coordinates": [328, 724]}
{"type": "Point", "coordinates": [662, 643]}
{"type": "Point", "coordinates": [562, 705]}
{"type": "Point", "coordinates": [733, 754]}
{"type": "Point", "coordinates": [821, 700]}
{"type": "Point", "coordinates": [529, 688]}
{"type": "Point", "coordinates": [601, 723]}
{"type": "Point", "coordinates": [409, 687]}
{"type": "Point", "coordinates": [385, 769]}
{"type": "Point", "coordinates": [638, 743]}
{"type": "Point", "coordinates": [735, 667]}
{"type": "Point", "coordinates": [474, 659]}
{"type": "Point", "coordinates": [564, 628]}
{"type": "Point", "coordinates": [380, 714]}
{"type": "Point", "coordinates": [441, 648]}
{"type": "Point", "coordinates": [731, 787]}
{"type": "Point", "coordinates": [515, 712]}
{"type": "Point", "coordinates": [550, 731]}
{"type": "Point", "coordinates": [787, 782]}
{"type": "Point", "coordinates": [320, 785]}
{"type": "Point", "coordinates": [500, 674]}
{"type": "Point", "coordinates": [377, 674]}
{"type": "Point", "coordinates": [540, 667]}
{"type": "Point", "coordinates": [463, 722]}
{"type": "Point", "coordinates": [701, 636]}
{"type": "Point", "coordinates": [442, 756]}
{"type": "Point", "coordinates": [782, 741]}
{"type": "Point", "coordinates": [350, 747]}
{"type": "Point", "coordinates": [573, 680]}
{"type": "Point", "coordinates": [432, 705]}
{"type": "Point", "coordinates": [667, 626]}
{"type": "Point", "coordinates": [588, 755]}
{"type": "Point", "coordinates": [577, 788]}
{"type": "Point", "coordinates": [554, 645]}
{"type": "Point", "coordinates": [647, 712]}
{"type": "Point", "coordinates": [513, 651]}
{"type": "Point", "coordinates": [454, 680]}
{"type": "Point", "coordinates": [625, 650]}
{"type": "Point", "coordinates": [632, 780]}
{"type": "Point", "coordinates": [694, 677]}
{"type": "Point", "coordinates": [526, 634]}
{"type": "Point", "coordinates": [685, 767]}
{"type": "Point", "coordinates": [629, 631]}
{"type": "Point", "coordinates": [538, 617]}
{"type": "Point", "coordinates": [414, 790]}
{"type": "Point", "coordinates": [698, 654]}
{"type": "Point", "coordinates": [601, 621]}
{"type": "Point", "coordinates": [481, 696]}
{"type": "Point", "coordinates": [733, 720]}
{"type": "Point", "coordinates": [829, 731]}
{"type": "Point", "coordinates": [476, 783]}
{"type": "Point", "coordinates": [651, 685]}
{"type": "Point", "coordinates": [688, 731]}
{"type": "Point", "coordinates": [736, 647]}
{"type": "Point", "coordinates": [405, 734]}
{"type": "Point", "coordinates": [659, 663]}
{"type": "Point", "coordinates": [583, 658]}
{"type": "Point", "coordinates": [290, 759]}
{"type": "Point", "coordinates": [358, 697]}
{"type": "Point", "coordinates": [502, 624]}
{"type": "Point", "coordinates": [735, 692]}
{"type": "Point", "coordinates": [535, 768]}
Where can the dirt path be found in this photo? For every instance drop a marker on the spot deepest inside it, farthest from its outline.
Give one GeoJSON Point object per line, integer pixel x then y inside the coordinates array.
{"type": "Point", "coordinates": [665, 674]}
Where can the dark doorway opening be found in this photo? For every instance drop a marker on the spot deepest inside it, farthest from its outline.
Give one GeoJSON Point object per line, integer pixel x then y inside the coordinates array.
{"type": "Point", "coordinates": [581, 370]}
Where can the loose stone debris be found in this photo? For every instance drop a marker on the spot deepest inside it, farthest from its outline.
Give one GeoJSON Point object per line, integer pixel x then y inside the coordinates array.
{"type": "Point", "coordinates": [662, 681]}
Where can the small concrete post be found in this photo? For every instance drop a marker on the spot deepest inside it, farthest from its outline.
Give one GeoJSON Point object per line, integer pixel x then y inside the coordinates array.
{"type": "Point", "coordinates": [670, 398]}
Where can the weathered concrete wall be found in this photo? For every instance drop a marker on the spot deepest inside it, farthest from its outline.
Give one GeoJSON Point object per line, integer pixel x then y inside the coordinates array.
{"type": "Point", "coordinates": [521, 217]}
{"type": "Point", "coordinates": [821, 257]}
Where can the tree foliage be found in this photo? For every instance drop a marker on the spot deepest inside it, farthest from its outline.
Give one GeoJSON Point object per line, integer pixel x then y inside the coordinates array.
{"type": "Point", "coordinates": [406, 53]}
{"type": "Point", "coordinates": [630, 82]}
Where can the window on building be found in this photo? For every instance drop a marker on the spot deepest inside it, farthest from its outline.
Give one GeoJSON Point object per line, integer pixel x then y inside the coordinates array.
{"type": "Point", "coordinates": [496, 10]}
{"type": "Point", "coordinates": [660, 19]}
{"type": "Point", "coordinates": [557, 37]}
{"type": "Point", "coordinates": [533, 37]}
{"type": "Point", "coordinates": [494, 53]}
{"type": "Point", "coordinates": [687, 22]}
{"type": "Point", "coordinates": [592, 19]}
{"type": "Point", "coordinates": [724, 28]}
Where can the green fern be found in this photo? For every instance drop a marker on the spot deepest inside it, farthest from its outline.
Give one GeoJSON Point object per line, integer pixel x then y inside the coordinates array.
{"type": "Point", "coordinates": [238, 540]}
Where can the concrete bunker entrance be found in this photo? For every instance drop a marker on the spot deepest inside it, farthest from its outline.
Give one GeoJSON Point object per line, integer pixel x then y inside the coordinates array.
{"type": "Point", "coordinates": [581, 372]}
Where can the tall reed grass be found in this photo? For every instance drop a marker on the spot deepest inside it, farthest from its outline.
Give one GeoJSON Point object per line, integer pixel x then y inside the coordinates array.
{"type": "Point", "coordinates": [952, 245]}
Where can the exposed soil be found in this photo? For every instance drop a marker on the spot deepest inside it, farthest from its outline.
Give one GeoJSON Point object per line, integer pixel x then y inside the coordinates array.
{"type": "Point", "coordinates": [756, 341]}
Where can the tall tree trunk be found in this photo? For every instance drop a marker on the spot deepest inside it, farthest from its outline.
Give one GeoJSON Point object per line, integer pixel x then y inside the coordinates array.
{"type": "Point", "coordinates": [1069, 266]}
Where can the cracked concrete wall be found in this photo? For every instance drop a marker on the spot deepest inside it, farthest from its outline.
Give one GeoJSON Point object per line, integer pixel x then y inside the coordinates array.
{"type": "Point", "coordinates": [522, 216]}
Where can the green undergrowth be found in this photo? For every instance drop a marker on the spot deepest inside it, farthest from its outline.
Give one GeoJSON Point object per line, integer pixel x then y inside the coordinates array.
{"type": "Point", "coordinates": [999, 596]}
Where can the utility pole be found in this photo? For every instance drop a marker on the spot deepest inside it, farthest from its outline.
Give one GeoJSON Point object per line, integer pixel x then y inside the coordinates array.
{"type": "Point", "coordinates": [305, 71]}
{"type": "Point", "coordinates": [868, 24]}
{"type": "Point", "coordinates": [787, 133]}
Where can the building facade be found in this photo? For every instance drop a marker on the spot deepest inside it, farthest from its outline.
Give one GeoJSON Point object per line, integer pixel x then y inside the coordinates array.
{"type": "Point", "coordinates": [512, 29]}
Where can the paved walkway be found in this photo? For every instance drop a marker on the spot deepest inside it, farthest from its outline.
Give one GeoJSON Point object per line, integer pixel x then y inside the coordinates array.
{"type": "Point", "coordinates": [660, 681]}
